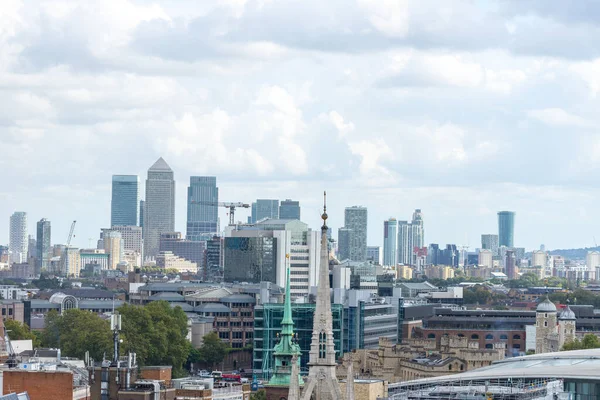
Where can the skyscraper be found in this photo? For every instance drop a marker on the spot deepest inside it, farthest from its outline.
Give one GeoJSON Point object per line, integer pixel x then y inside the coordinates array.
{"type": "Point", "coordinates": [511, 269]}
{"type": "Point", "coordinates": [265, 208]}
{"type": "Point", "coordinates": [404, 252]}
{"type": "Point", "coordinates": [159, 209]}
{"type": "Point", "coordinates": [410, 236]}
{"type": "Point", "coordinates": [506, 228]}
{"type": "Point", "coordinates": [490, 242]}
{"type": "Point", "coordinates": [202, 218]}
{"type": "Point", "coordinates": [355, 219]}
{"type": "Point", "coordinates": [418, 230]}
{"type": "Point", "coordinates": [289, 209]}
{"type": "Point", "coordinates": [18, 243]}
{"type": "Point", "coordinates": [44, 245]}
{"type": "Point", "coordinates": [113, 246]}
{"type": "Point", "coordinates": [142, 207]}
{"type": "Point", "coordinates": [125, 200]}
{"type": "Point", "coordinates": [390, 242]}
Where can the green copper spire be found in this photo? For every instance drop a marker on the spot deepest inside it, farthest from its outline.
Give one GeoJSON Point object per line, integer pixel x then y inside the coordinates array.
{"type": "Point", "coordinates": [286, 349]}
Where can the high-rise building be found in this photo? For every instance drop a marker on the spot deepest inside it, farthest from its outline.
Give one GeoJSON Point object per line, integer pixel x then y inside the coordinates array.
{"type": "Point", "coordinates": [202, 207]}
{"type": "Point", "coordinates": [418, 230]}
{"type": "Point", "coordinates": [490, 242]}
{"type": "Point", "coordinates": [124, 207]}
{"type": "Point", "coordinates": [265, 208]}
{"type": "Point", "coordinates": [411, 236]}
{"type": "Point", "coordinates": [191, 250]}
{"type": "Point", "coordinates": [289, 209]}
{"type": "Point", "coordinates": [18, 243]}
{"type": "Point", "coordinates": [212, 262]}
{"type": "Point", "coordinates": [390, 242]}
{"type": "Point", "coordinates": [592, 260]}
{"type": "Point", "coordinates": [506, 228]}
{"type": "Point", "coordinates": [511, 265]}
{"type": "Point", "coordinates": [374, 254]}
{"type": "Point", "coordinates": [538, 258]}
{"type": "Point", "coordinates": [355, 219]}
{"type": "Point", "coordinates": [486, 258]}
{"type": "Point", "coordinates": [159, 206]}
{"type": "Point", "coordinates": [133, 244]}
{"type": "Point", "coordinates": [72, 262]}
{"type": "Point", "coordinates": [142, 207]}
{"type": "Point", "coordinates": [31, 247]}
{"type": "Point", "coordinates": [113, 246]}
{"type": "Point", "coordinates": [44, 245]}
{"type": "Point", "coordinates": [343, 252]}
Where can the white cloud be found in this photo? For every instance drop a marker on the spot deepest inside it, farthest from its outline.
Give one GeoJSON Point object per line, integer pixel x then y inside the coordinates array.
{"type": "Point", "coordinates": [391, 17]}
{"type": "Point", "coordinates": [558, 117]}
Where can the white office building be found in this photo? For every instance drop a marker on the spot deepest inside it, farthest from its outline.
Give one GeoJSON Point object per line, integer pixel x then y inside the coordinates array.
{"type": "Point", "coordinates": [18, 242]}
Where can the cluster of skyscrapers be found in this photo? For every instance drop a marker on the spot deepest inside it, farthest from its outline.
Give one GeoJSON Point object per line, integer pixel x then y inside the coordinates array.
{"type": "Point", "coordinates": [400, 238]}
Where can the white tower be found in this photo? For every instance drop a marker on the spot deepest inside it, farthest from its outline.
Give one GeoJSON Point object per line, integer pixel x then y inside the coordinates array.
{"type": "Point", "coordinates": [566, 326]}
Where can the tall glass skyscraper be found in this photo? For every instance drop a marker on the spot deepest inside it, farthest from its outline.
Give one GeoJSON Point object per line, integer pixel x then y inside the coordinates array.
{"type": "Point", "coordinates": [355, 219]}
{"type": "Point", "coordinates": [125, 200]}
{"type": "Point", "coordinates": [202, 219]}
{"type": "Point", "coordinates": [289, 209]}
{"type": "Point", "coordinates": [490, 242]}
{"type": "Point", "coordinates": [390, 242]}
{"type": "Point", "coordinates": [44, 245]}
{"type": "Point", "coordinates": [506, 228]}
{"type": "Point", "coordinates": [265, 208]}
{"type": "Point", "coordinates": [159, 206]}
{"type": "Point", "coordinates": [18, 243]}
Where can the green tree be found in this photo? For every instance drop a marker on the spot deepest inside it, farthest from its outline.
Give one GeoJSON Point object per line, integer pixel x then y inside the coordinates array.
{"type": "Point", "coordinates": [259, 395]}
{"type": "Point", "coordinates": [78, 331]}
{"type": "Point", "coordinates": [19, 331]}
{"type": "Point", "coordinates": [589, 341]}
{"type": "Point", "coordinates": [157, 333]}
{"type": "Point", "coordinates": [213, 349]}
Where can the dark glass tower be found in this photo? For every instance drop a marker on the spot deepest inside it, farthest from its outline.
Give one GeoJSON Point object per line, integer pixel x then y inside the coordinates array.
{"type": "Point", "coordinates": [506, 228]}
{"type": "Point", "coordinates": [202, 207]}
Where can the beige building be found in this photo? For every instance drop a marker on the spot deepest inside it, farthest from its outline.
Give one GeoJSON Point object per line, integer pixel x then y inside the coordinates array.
{"type": "Point", "coordinates": [72, 262]}
{"type": "Point", "coordinates": [168, 260]}
{"type": "Point", "coordinates": [439, 272]}
{"type": "Point", "coordinates": [538, 258]}
{"type": "Point", "coordinates": [592, 260]}
{"type": "Point", "coordinates": [404, 272]}
{"type": "Point", "coordinates": [485, 258]}
{"type": "Point", "coordinates": [113, 246]}
{"type": "Point", "coordinates": [367, 389]}
{"type": "Point", "coordinates": [551, 330]}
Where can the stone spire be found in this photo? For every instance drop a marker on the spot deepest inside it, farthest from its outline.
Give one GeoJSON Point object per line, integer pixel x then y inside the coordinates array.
{"type": "Point", "coordinates": [286, 351]}
{"type": "Point", "coordinates": [322, 381]}
{"type": "Point", "coordinates": [350, 380]}
{"type": "Point", "coordinates": [294, 390]}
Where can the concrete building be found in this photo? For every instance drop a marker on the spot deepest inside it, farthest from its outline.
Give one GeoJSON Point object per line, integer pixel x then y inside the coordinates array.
{"type": "Point", "coordinates": [72, 262]}
{"type": "Point", "coordinates": [439, 272]}
{"type": "Point", "coordinates": [18, 243]}
{"type": "Point", "coordinates": [511, 267]}
{"type": "Point", "coordinates": [355, 221]}
{"type": "Point", "coordinates": [168, 260]}
{"type": "Point", "coordinates": [133, 243]}
{"type": "Point", "coordinates": [592, 260]}
{"type": "Point", "coordinates": [552, 330]}
{"type": "Point", "coordinates": [264, 208]}
{"type": "Point", "coordinates": [289, 209]}
{"type": "Point", "coordinates": [113, 246]}
{"type": "Point", "coordinates": [374, 254]}
{"type": "Point", "coordinates": [124, 206]}
{"type": "Point", "coordinates": [539, 258]}
{"type": "Point", "coordinates": [202, 208]}
{"type": "Point", "coordinates": [410, 236]}
{"type": "Point", "coordinates": [404, 272]}
{"type": "Point", "coordinates": [94, 257]}
{"type": "Point", "coordinates": [159, 206]}
{"type": "Point", "coordinates": [43, 245]}
{"type": "Point", "coordinates": [369, 318]}
{"type": "Point", "coordinates": [390, 242]}
{"type": "Point", "coordinates": [142, 208]}
{"type": "Point", "coordinates": [485, 258]}
{"type": "Point", "coordinates": [506, 228]}
{"type": "Point", "coordinates": [490, 242]}
{"type": "Point", "coordinates": [193, 251]}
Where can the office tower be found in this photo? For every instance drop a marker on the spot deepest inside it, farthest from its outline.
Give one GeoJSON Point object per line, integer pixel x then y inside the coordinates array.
{"type": "Point", "coordinates": [133, 244]}
{"type": "Point", "coordinates": [404, 235]}
{"type": "Point", "coordinates": [191, 250]}
{"type": "Point", "coordinates": [159, 206]}
{"type": "Point", "coordinates": [343, 252]}
{"type": "Point", "coordinates": [18, 243]}
{"type": "Point", "coordinates": [124, 207]}
{"type": "Point", "coordinates": [485, 258]}
{"type": "Point", "coordinates": [390, 242]}
{"type": "Point", "coordinates": [511, 265]}
{"type": "Point", "coordinates": [31, 247]}
{"type": "Point", "coordinates": [289, 209]}
{"type": "Point", "coordinates": [355, 219]}
{"type": "Point", "coordinates": [212, 262]}
{"type": "Point", "coordinates": [374, 254]}
{"type": "Point", "coordinates": [72, 262]}
{"type": "Point", "coordinates": [506, 228]}
{"type": "Point", "coordinates": [142, 207]}
{"type": "Point", "coordinates": [113, 246]}
{"type": "Point", "coordinates": [202, 207]}
{"type": "Point", "coordinates": [44, 245]}
{"type": "Point", "coordinates": [592, 260]}
{"type": "Point", "coordinates": [490, 242]}
{"type": "Point", "coordinates": [265, 208]}
{"type": "Point", "coordinates": [411, 236]}
{"type": "Point", "coordinates": [418, 230]}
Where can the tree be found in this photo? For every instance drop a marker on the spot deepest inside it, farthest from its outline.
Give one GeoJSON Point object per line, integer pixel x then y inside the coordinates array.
{"type": "Point", "coordinates": [589, 341]}
{"type": "Point", "coordinates": [259, 395]}
{"type": "Point", "coordinates": [213, 349]}
{"type": "Point", "coordinates": [18, 331]}
{"type": "Point", "coordinates": [76, 331]}
{"type": "Point", "coordinates": [157, 333]}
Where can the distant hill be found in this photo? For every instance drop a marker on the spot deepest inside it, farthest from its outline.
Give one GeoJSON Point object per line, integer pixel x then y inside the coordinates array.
{"type": "Point", "coordinates": [574, 254]}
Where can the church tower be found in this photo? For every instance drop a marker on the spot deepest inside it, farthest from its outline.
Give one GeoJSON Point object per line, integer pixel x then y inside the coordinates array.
{"type": "Point", "coordinates": [322, 383]}
{"type": "Point", "coordinates": [287, 351]}
{"type": "Point", "coordinates": [566, 326]}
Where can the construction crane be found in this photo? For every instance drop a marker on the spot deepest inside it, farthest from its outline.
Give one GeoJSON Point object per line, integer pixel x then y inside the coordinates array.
{"type": "Point", "coordinates": [230, 206]}
{"type": "Point", "coordinates": [63, 257]}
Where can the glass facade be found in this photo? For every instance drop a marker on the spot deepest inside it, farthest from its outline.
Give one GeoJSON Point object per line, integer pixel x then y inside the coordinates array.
{"type": "Point", "coordinates": [202, 207]}
{"type": "Point", "coordinates": [289, 209]}
{"type": "Point", "coordinates": [267, 323]}
{"type": "Point", "coordinates": [390, 242]}
{"type": "Point", "coordinates": [355, 219]}
{"type": "Point", "coordinates": [190, 250]}
{"type": "Point", "coordinates": [506, 228]}
{"type": "Point", "coordinates": [212, 270]}
{"type": "Point", "coordinates": [125, 200]}
{"type": "Point", "coordinates": [44, 245]}
{"type": "Point", "coordinates": [250, 259]}
{"type": "Point", "coordinates": [265, 208]}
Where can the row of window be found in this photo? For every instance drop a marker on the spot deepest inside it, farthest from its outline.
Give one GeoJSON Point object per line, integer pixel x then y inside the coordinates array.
{"type": "Point", "coordinates": [476, 336]}
{"type": "Point", "coordinates": [235, 335]}
{"type": "Point", "coordinates": [299, 280]}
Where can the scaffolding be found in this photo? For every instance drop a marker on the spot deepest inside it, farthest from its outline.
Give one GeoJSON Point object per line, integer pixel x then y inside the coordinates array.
{"type": "Point", "coordinates": [496, 389]}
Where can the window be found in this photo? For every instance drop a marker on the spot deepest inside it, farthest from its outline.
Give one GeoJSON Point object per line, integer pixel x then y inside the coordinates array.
{"type": "Point", "coordinates": [237, 345]}
{"type": "Point", "coordinates": [322, 344]}
{"type": "Point", "coordinates": [249, 335]}
{"type": "Point", "coordinates": [489, 346]}
{"type": "Point", "coordinates": [489, 337]}
{"type": "Point", "coordinates": [503, 337]}
{"type": "Point", "coordinates": [517, 337]}
{"type": "Point", "coordinates": [431, 336]}
{"type": "Point", "coordinates": [474, 336]}
{"type": "Point", "coordinates": [516, 346]}
{"type": "Point", "coordinates": [224, 335]}
{"type": "Point", "coordinates": [545, 323]}
{"type": "Point", "coordinates": [236, 335]}
{"type": "Point", "coordinates": [461, 335]}
{"type": "Point", "coordinates": [450, 367]}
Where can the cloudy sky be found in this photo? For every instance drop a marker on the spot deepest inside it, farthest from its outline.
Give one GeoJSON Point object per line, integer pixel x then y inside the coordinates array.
{"type": "Point", "coordinates": [461, 108]}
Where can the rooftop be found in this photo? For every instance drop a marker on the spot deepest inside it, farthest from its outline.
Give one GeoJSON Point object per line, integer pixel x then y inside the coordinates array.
{"type": "Point", "coordinates": [160, 165]}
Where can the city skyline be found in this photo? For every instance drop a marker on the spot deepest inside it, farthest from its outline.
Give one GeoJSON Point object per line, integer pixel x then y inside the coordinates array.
{"type": "Point", "coordinates": [377, 106]}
